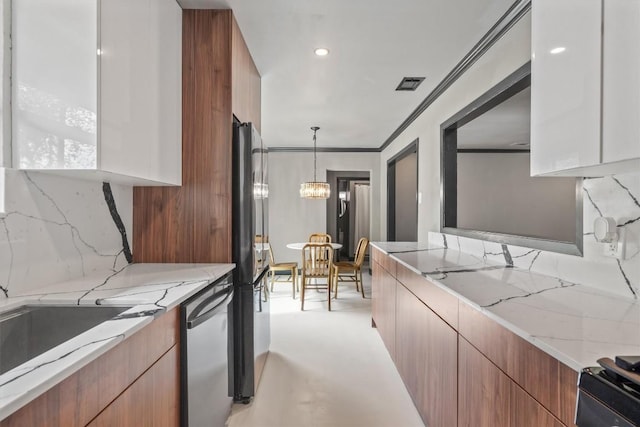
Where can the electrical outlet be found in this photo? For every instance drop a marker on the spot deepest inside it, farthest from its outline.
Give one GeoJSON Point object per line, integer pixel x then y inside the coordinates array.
{"type": "Point", "coordinates": [614, 249]}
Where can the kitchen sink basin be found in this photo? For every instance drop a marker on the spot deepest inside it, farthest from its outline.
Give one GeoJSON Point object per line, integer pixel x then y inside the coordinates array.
{"type": "Point", "coordinates": [31, 330]}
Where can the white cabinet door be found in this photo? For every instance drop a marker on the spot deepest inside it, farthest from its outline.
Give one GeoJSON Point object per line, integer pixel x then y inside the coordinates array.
{"type": "Point", "coordinates": [54, 114]}
{"type": "Point", "coordinates": [140, 89]}
{"type": "Point", "coordinates": [97, 89]}
{"type": "Point", "coordinates": [621, 80]}
{"type": "Point", "coordinates": [565, 84]}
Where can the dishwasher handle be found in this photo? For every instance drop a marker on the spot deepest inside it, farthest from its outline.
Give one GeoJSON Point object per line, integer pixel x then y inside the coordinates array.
{"type": "Point", "coordinates": [196, 317]}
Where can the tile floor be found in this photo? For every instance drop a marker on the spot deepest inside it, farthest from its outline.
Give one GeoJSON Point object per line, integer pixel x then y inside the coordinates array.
{"type": "Point", "coordinates": [326, 368]}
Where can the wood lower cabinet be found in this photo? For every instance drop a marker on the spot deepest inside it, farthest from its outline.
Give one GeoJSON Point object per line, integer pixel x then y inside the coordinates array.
{"type": "Point", "coordinates": [484, 392]}
{"type": "Point", "coordinates": [460, 366]}
{"type": "Point", "coordinates": [489, 398]}
{"type": "Point", "coordinates": [546, 379]}
{"type": "Point", "coordinates": [383, 308]}
{"type": "Point", "coordinates": [77, 400]}
{"type": "Point", "coordinates": [426, 357]}
{"type": "Point", "coordinates": [527, 412]}
{"type": "Point", "coordinates": [153, 400]}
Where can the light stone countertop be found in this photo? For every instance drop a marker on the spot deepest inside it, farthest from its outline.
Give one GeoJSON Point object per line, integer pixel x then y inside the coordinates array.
{"type": "Point", "coordinates": [574, 323]}
{"type": "Point", "coordinates": [151, 289]}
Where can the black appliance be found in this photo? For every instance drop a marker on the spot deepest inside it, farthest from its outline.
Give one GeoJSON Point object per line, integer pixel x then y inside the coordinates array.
{"type": "Point", "coordinates": [250, 323]}
{"type": "Point", "coordinates": [204, 346]}
{"type": "Point", "coordinates": [609, 395]}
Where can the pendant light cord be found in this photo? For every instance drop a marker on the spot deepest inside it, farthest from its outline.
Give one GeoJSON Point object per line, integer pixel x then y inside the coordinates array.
{"type": "Point", "coordinates": [315, 161]}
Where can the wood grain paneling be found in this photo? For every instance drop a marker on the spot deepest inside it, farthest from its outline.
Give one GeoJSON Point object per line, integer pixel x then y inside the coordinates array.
{"type": "Point", "coordinates": [153, 400]}
{"type": "Point", "coordinates": [426, 357]}
{"type": "Point", "coordinates": [375, 254]}
{"type": "Point", "coordinates": [441, 302]}
{"type": "Point", "coordinates": [245, 80]}
{"type": "Point", "coordinates": [568, 394]}
{"type": "Point", "coordinates": [484, 392]}
{"type": "Point", "coordinates": [526, 412]}
{"type": "Point", "coordinates": [533, 369]}
{"type": "Point", "coordinates": [383, 306]}
{"type": "Point", "coordinates": [79, 398]}
{"type": "Point", "coordinates": [192, 223]}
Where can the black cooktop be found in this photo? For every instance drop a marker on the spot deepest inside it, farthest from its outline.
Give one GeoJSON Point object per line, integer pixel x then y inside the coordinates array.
{"type": "Point", "coordinates": [615, 388]}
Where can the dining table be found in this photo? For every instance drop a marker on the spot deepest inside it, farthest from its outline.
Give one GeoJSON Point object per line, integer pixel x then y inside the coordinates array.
{"type": "Point", "coordinates": [300, 245]}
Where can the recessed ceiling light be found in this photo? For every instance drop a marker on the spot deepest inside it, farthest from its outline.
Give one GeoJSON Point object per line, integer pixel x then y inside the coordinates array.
{"type": "Point", "coordinates": [557, 50]}
{"type": "Point", "coordinates": [321, 51]}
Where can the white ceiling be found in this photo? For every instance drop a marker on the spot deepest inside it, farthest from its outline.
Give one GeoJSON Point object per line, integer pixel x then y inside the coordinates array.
{"type": "Point", "coordinates": [499, 128]}
{"type": "Point", "coordinates": [351, 93]}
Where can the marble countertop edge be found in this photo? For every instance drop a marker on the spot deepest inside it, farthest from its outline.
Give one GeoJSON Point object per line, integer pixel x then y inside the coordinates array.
{"type": "Point", "coordinates": [573, 364]}
{"type": "Point", "coordinates": [578, 361]}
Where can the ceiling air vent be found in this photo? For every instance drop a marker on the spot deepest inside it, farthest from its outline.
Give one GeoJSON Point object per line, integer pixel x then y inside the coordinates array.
{"type": "Point", "coordinates": [410, 83]}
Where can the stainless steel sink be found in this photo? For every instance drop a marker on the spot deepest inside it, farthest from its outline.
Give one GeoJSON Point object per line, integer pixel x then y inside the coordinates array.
{"type": "Point", "coordinates": [30, 330]}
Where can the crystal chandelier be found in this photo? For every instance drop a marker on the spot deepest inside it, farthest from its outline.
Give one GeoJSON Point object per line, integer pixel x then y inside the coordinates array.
{"type": "Point", "coordinates": [315, 189]}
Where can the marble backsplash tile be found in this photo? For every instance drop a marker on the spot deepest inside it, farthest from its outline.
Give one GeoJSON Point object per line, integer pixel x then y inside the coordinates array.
{"type": "Point", "coordinates": [55, 228]}
{"type": "Point", "coordinates": [615, 196]}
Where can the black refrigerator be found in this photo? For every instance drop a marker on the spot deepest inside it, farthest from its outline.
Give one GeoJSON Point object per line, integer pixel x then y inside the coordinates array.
{"type": "Point", "coordinates": [249, 328]}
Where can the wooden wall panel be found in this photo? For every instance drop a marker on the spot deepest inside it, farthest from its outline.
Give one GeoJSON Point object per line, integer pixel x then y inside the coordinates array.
{"type": "Point", "coordinates": [192, 223]}
{"type": "Point", "coordinates": [79, 398]}
{"type": "Point", "coordinates": [441, 302]}
{"type": "Point", "coordinates": [245, 93]}
{"type": "Point", "coordinates": [153, 400]}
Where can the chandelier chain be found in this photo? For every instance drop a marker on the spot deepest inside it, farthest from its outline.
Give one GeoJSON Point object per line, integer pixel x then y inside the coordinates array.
{"type": "Point", "coordinates": [315, 161]}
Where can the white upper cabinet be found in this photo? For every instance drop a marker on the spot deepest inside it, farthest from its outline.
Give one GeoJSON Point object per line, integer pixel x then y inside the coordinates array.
{"type": "Point", "coordinates": [583, 95]}
{"type": "Point", "coordinates": [97, 89]}
{"type": "Point", "coordinates": [621, 81]}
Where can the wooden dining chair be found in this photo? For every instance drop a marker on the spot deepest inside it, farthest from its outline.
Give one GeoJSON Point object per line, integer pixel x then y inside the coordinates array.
{"type": "Point", "coordinates": [348, 271]}
{"type": "Point", "coordinates": [260, 259]}
{"type": "Point", "coordinates": [320, 238]}
{"type": "Point", "coordinates": [317, 262]}
{"type": "Point", "coordinates": [291, 267]}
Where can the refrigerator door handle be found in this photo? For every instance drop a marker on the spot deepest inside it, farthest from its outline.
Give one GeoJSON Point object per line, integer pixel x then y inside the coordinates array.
{"type": "Point", "coordinates": [196, 318]}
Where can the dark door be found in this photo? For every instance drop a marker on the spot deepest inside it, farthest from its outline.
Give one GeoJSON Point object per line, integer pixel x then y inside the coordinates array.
{"type": "Point", "coordinates": [402, 195]}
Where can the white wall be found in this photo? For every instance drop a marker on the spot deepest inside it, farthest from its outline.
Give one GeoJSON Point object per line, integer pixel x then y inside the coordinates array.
{"type": "Point", "coordinates": [537, 207]}
{"type": "Point", "coordinates": [509, 53]}
{"type": "Point", "coordinates": [293, 219]}
{"type": "Point", "coordinates": [615, 196]}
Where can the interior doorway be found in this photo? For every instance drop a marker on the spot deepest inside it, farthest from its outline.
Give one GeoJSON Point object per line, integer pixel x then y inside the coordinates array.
{"type": "Point", "coordinates": [402, 195]}
{"type": "Point", "coordinates": [349, 209]}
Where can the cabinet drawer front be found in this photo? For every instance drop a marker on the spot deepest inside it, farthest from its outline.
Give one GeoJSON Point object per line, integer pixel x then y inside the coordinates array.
{"type": "Point", "coordinates": [441, 302]}
{"type": "Point", "coordinates": [384, 260]}
{"type": "Point", "coordinates": [153, 400]}
{"type": "Point", "coordinates": [484, 392]}
{"type": "Point", "coordinates": [426, 357]}
{"type": "Point", "coordinates": [533, 369]}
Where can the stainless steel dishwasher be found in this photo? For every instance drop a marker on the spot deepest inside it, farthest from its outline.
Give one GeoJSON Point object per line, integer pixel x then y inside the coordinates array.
{"type": "Point", "coordinates": [204, 348]}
